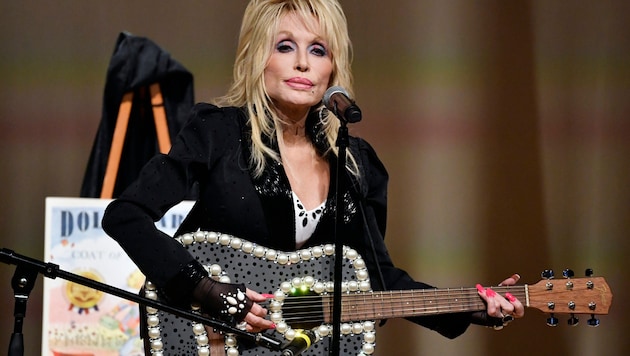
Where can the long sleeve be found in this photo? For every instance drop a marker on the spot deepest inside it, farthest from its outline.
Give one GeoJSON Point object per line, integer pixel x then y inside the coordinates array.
{"type": "Point", "coordinates": [130, 220]}
{"type": "Point", "coordinates": [163, 182]}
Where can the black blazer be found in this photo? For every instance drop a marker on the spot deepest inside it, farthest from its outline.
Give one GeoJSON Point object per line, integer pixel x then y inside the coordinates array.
{"type": "Point", "coordinates": [212, 150]}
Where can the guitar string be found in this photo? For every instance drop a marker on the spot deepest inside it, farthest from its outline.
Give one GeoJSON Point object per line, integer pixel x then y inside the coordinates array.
{"type": "Point", "coordinates": [449, 300]}
{"type": "Point", "coordinates": [453, 295]}
{"type": "Point", "coordinates": [429, 294]}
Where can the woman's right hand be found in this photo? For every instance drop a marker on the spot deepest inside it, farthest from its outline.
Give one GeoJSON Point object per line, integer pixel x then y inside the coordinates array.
{"type": "Point", "coordinates": [255, 319]}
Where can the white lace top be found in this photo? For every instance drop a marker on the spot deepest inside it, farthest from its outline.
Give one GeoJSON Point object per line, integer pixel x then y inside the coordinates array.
{"type": "Point", "coordinates": [305, 220]}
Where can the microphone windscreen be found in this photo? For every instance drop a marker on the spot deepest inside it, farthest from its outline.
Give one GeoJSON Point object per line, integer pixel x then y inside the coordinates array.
{"type": "Point", "coordinates": [331, 91]}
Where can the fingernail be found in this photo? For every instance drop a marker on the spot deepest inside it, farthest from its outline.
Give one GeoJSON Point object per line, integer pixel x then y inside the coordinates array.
{"type": "Point", "coordinates": [480, 288]}
{"type": "Point", "coordinates": [510, 297]}
{"type": "Point", "coordinates": [516, 277]}
{"type": "Point", "coordinates": [490, 293]}
{"type": "Point", "coordinates": [273, 326]}
{"type": "Point", "coordinates": [268, 296]}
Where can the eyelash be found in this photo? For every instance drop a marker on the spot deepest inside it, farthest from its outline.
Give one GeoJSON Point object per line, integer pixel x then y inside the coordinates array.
{"type": "Point", "coordinates": [316, 48]}
{"type": "Point", "coordinates": [322, 52]}
{"type": "Point", "coordinates": [284, 46]}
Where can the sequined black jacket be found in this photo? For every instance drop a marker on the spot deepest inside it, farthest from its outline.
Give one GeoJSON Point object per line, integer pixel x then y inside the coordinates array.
{"type": "Point", "coordinates": [212, 153]}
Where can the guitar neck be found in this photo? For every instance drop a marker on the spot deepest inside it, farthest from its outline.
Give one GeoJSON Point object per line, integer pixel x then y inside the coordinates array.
{"type": "Point", "coordinates": [418, 302]}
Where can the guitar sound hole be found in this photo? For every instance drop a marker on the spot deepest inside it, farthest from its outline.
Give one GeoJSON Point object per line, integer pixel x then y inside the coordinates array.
{"type": "Point", "coordinates": [303, 311]}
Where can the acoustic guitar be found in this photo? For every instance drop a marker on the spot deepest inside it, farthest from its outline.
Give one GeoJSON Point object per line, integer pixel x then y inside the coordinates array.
{"type": "Point", "coordinates": [303, 298]}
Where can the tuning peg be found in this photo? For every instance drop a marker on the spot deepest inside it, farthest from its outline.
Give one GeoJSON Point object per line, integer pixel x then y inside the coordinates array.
{"type": "Point", "coordinates": [568, 273]}
{"type": "Point", "coordinates": [573, 320]}
{"type": "Point", "coordinates": [552, 320]}
{"type": "Point", "coordinates": [588, 272]}
{"type": "Point", "coordinates": [547, 274]}
{"type": "Point", "coordinates": [593, 321]}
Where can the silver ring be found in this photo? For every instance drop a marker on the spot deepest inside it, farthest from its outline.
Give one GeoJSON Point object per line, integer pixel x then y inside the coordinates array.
{"type": "Point", "coordinates": [506, 318]}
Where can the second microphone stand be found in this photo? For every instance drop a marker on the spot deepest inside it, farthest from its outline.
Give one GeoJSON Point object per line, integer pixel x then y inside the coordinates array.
{"type": "Point", "coordinates": [26, 274]}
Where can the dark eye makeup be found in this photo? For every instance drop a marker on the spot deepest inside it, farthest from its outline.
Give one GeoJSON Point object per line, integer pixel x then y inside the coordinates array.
{"type": "Point", "coordinates": [317, 49]}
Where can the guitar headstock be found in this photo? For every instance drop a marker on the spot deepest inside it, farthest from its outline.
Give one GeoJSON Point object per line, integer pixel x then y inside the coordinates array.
{"type": "Point", "coordinates": [589, 295]}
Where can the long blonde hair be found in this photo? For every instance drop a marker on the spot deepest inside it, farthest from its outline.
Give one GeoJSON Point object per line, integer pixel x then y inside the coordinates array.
{"type": "Point", "coordinates": [258, 32]}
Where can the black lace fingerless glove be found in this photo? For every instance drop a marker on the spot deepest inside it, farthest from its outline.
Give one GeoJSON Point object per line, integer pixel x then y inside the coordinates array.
{"type": "Point", "coordinates": [222, 300]}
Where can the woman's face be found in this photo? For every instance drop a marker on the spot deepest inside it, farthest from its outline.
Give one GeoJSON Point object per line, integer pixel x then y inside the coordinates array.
{"type": "Point", "coordinates": [299, 69]}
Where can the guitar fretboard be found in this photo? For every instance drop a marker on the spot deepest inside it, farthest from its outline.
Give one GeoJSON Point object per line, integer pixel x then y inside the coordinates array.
{"type": "Point", "coordinates": [418, 302]}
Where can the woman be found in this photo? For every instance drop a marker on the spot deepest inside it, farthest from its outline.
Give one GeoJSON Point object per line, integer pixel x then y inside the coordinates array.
{"type": "Point", "coordinates": [264, 164]}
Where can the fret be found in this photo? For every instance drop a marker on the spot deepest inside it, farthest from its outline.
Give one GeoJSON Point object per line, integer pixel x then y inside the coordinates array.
{"type": "Point", "coordinates": [327, 307]}
{"type": "Point", "coordinates": [378, 306]}
{"type": "Point", "coordinates": [432, 306]}
{"type": "Point", "coordinates": [466, 301]}
{"type": "Point", "coordinates": [389, 302]}
{"type": "Point", "coordinates": [448, 305]}
{"type": "Point", "coordinates": [375, 314]}
{"type": "Point", "coordinates": [398, 304]}
{"type": "Point", "coordinates": [382, 305]}
{"type": "Point", "coordinates": [361, 313]}
{"type": "Point", "coordinates": [456, 298]}
{"type": "Point", "coordinates": [413, 309]}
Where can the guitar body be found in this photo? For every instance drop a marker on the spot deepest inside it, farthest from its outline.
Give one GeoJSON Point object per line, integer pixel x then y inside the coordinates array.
{"type": "Point", "coordinates": [233, 260]}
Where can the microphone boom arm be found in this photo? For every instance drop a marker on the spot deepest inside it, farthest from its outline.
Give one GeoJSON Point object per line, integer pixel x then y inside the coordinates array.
{"type": "Point", "coordinates": [26, 273]}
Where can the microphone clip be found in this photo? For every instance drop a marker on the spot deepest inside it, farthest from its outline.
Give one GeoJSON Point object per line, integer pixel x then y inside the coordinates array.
{"type": "Point", "coordinates": [301, 342]}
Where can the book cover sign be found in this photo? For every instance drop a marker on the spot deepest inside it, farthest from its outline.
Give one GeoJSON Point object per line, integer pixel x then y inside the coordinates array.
{"type": "Point", "coordinates": [79, 320]}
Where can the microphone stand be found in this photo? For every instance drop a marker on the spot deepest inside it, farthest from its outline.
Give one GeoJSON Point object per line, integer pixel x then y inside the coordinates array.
{"type": "Point", "coordinates": [342, 143]}
{"type": "Point", "coordinates": [26, 274]}
{"type": "Point", "coordinates": [22, 282]}
{"type": "Point", "coordinates": [350, 113]}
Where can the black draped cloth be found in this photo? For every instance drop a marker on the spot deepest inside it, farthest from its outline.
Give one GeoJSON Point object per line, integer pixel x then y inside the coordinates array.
{"type": "Point", "coordinates": [136, 63]}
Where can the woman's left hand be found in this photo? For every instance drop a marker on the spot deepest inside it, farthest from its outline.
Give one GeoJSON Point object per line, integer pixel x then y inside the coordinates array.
{"type": "Point", "coordinates": [504, 308]}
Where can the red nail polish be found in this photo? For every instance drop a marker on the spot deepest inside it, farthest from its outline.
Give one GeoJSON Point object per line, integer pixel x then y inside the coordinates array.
{"type": "Point", "coordinates": [490, 293]}
{"type": "Point", "coordinates": [480, 288]}
{"type": "Point", "coordinates": [273, 326]}
{"type": "Point", "coordinates": [510, 297]}
{"type": "Point", "coordinates": [268, 296]}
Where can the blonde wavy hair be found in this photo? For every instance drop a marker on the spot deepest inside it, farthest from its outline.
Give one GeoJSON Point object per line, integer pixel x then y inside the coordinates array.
{"type": "Point", "coordinates": [256, 41]}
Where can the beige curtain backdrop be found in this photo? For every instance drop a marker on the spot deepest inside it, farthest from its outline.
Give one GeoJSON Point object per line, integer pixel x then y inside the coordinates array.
{"type": "Point", "coordinates": [504, 126]}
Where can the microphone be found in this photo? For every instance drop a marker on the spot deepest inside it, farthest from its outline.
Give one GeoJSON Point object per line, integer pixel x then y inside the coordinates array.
{"type": "Point", "coordinates": [337, 100]}
{"type": "Point", "coordinates": [302, 341]}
